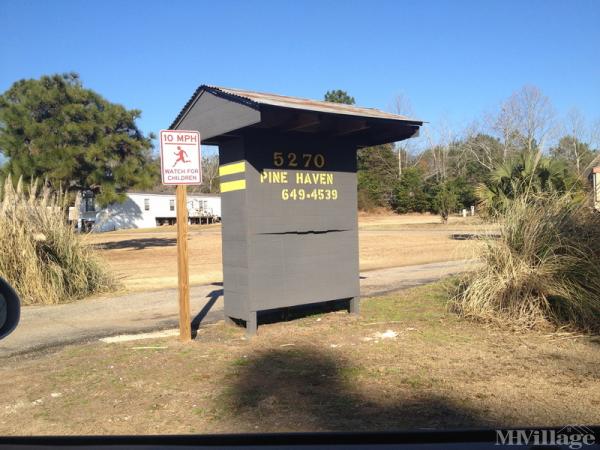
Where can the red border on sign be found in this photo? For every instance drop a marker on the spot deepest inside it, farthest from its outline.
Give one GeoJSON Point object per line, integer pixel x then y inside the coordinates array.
{"type": "Point", "coordinates": [161, 156]}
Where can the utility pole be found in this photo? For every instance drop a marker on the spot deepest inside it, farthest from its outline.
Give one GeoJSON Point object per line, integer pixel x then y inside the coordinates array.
{"type": "Point", "coordinates": [180, 165]}
{"type": "Point", "coordinates": [399, 162]}
{"type": "Point", "coordinates": [185, 322]}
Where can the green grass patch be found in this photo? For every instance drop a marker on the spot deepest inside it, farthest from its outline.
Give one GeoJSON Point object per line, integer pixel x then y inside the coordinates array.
{"type": "Point", "coordinates": [423, 304]}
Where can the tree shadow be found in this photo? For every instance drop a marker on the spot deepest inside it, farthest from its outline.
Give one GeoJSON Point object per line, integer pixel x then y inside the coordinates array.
{"type": "Point", "coordinates": [138, 244]}
{"type": "Point", "coordinates": [307, 389]}
{"type": "Point", "coordinates": [474, 236]}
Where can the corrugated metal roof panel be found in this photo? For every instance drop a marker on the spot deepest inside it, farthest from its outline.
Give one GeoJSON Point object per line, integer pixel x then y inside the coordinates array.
{"type": "Point", "coordinates": [312, 105]}
{"type": "Point", "coordinates": [253, 98]}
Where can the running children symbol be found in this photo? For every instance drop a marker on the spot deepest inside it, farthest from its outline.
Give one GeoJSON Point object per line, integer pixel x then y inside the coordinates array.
{"type": "Point", "coordinates": [181, 156]}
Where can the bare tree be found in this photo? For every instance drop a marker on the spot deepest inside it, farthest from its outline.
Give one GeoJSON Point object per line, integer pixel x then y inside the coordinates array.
{"type": "Point", "coordinates": [526, 120]}
{"type": "Point", "coordinates": [481, 150]}
{"type": "Point", "coordinates": [535, 117]}
{"type": "Point", "coordinates": [446, 137]}
{"type": "Point", "coordinates": [405, 148]}
{"type": "Point", "coordinates": [439, 140]}
{"type": "Point", "coordinates": [504, 124]}
{"type": "Point", "coordinates": [210, 173]}
{"type": "Point", "coordinates": [595, 134]}
{"type": "Point", "coordinates": [576, 128]}
{"type": "Point", "coordinates": [402, 105]}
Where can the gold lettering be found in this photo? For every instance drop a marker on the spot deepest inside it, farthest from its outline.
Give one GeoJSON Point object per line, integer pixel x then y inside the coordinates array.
{"type": "Point", "coordinates": [274, 177]}
{"type": "Point", "coordinates": [314, 178]}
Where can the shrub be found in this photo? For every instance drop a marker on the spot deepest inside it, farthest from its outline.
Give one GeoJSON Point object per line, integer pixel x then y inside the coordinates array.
{"type": "Point", "coordinates": [41, 256]}
{"type": "Point", "coordinates": [409, 195]}
{"type": "Point", "coordinates": [445, 201]}
{"type": "Point", "coordinates": [366, 202]}
{"type": "Point", "coordinates": [377, 175]}
{"type": "Point", "coordinates": [544, 269]}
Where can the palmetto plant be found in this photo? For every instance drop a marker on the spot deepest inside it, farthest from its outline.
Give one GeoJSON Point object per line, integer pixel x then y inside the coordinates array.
{"type": "Point", "coordinates": [527, 174]}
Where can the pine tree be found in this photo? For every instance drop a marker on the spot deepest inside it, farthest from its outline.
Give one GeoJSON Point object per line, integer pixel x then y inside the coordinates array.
{"type": "Point", "coordinates": [55, 129]}
{"type": "Point", "coordinates": [339, 96]}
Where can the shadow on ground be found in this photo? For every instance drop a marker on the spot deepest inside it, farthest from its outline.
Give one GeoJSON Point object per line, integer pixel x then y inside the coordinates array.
{"type": "Point", "coordinates": [476, 236]}
{"type": "Point", "coordinates": [300, 389]}
{"type": "Point", "coordinates": [213, 296]}
{"type": "Point", "coordinates": [291, 313]}
{"type": "Point", "coordinates": [138, 244]}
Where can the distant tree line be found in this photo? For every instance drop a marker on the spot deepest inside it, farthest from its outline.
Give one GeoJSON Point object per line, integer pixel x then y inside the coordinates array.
{"type": "Point", "coordinates": [54, 128]}
{"type": "Point", "coordinates": [522, 145]}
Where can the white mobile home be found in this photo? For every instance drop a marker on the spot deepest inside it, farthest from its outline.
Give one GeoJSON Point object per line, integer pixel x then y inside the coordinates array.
{"type": "Point", "coordinates": [146, 210]}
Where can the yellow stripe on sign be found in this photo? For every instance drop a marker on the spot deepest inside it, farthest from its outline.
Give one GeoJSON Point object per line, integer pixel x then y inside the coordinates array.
{"type": "Point", "coordinates": [230, 169]}
{"type": "Point", "coordinates": [236, 185]}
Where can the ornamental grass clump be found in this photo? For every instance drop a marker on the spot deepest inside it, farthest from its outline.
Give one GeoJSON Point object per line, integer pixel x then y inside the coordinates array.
{"type": "Point", "coordinates": [41, 255]}
{"type": "Point", "coordinates": [543, 270]}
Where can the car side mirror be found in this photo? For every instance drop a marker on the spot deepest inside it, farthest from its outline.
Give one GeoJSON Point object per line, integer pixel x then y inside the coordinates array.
{"type": "Point", "coordinates": [10, 309]}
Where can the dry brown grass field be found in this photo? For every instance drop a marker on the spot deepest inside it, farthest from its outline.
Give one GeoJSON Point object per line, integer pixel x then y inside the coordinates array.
{"type": "Point", "coordinates": [146, 259]}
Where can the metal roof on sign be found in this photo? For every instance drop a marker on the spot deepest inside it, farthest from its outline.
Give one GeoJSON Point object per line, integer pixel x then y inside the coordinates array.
{"type": "Point", "coordinates": [311, 105]}
{"type": "Point", "coordinates": [220, 114]}
{"type": "Point", "coordinates": [253, 98]}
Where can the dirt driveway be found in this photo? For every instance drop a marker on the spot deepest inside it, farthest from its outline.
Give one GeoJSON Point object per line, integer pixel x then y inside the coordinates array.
{"type": "Point", "coordinates": [50, 326]}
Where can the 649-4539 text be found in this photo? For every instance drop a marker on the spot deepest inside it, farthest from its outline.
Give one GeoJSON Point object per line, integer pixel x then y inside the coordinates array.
{"type": "Point", "coordinates": [309, 194]}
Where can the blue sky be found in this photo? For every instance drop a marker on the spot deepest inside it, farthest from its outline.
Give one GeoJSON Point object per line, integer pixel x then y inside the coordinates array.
{"type": "Point", "coordinates": [453, 59]}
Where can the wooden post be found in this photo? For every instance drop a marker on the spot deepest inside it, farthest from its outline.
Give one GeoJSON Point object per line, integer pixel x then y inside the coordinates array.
{"type": "Point", "coordinates": [185, 321]}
